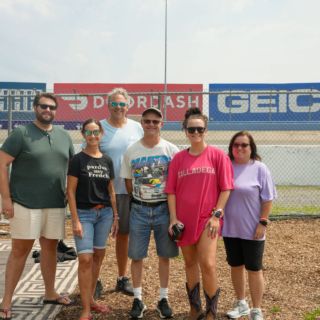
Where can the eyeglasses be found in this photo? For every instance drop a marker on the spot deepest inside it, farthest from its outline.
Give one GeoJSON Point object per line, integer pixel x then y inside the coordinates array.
{"type": "Point", "coordinates": [194, 129]}
{"type": "Point", "coordinates": [46, 106]}
{"type": "Point", "coordinates": [148, 121]}
{"type": "Point", "coordinates": [242, 145]}
{"type": "Point", "coordinates": [89, 133]}
{"type": "Point", "coordinates": [120, 104]}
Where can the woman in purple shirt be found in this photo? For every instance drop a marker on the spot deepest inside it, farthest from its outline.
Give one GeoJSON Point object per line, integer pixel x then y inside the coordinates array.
{"type": "Point", "coordinates": [245, 223]}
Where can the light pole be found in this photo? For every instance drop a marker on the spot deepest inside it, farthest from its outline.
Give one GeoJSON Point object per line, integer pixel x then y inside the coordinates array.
{"type": "Point", "coordinates": [165, 60]}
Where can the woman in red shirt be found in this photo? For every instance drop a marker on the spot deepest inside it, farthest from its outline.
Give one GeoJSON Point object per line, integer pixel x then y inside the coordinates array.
{"type": "Point", "coordinates": [199, 182]}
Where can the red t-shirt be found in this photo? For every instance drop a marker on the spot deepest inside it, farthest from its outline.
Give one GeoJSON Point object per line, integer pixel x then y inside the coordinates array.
{"type": "Point", "coordinates": [197, 182]}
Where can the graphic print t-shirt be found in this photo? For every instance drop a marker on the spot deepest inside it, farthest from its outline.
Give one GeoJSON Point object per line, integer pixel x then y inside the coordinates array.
{"type": "Point", "coordinates": [94, 175]}
{"type": "Point", "coordinates": [148, 169]}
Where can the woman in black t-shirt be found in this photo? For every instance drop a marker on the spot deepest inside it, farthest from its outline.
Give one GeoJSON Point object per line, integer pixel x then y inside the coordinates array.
{"type": "Point", "coordinates": [93, 209]}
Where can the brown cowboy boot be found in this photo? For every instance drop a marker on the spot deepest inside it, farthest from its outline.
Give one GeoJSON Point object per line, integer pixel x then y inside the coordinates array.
{"type": "Point", "coordinates": [212, 305]}
{"type": "Point", "coordinates": [195, 302]}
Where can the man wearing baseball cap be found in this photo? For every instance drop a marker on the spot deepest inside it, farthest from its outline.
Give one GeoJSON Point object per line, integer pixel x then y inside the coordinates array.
{"type": "Point", "coordinates": [145, 168]}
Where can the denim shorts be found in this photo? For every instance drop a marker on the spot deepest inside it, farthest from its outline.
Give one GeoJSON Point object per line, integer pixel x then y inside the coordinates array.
{"type": "Point", "coordinates": [96, 226]}
{"type": "Point", "coordinates": [142, 221]}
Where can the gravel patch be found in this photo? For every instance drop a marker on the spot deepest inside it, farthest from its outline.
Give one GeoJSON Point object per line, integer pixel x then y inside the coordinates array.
{"type": "Point", "coordinates": [292, 274]}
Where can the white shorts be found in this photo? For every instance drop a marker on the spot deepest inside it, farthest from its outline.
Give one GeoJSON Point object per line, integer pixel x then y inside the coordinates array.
{"type": "Point", "coordinates": [36, 223]}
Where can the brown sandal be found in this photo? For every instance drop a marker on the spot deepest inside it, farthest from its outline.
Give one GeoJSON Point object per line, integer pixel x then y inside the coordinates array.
{"type": "Point", "coordinates": [5, 313]}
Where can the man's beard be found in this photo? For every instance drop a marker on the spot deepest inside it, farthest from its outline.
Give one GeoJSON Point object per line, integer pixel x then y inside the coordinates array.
{"type": "Point", "coordinates": [43, 120]}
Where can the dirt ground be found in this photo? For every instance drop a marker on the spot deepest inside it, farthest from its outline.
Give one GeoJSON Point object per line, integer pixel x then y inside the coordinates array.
{"type": "Point", "coordinates": [292, 274]}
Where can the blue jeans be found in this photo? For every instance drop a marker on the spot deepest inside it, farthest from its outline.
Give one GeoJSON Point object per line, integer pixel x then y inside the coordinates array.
{"type": "Point", "coordinates": [96, 226]}
{"type": "Point", "coordinates": [144, 219]}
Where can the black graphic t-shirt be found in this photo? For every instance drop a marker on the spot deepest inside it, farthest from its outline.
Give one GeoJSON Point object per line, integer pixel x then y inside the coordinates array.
{"type": "Point", "coordinates": [94, 175]}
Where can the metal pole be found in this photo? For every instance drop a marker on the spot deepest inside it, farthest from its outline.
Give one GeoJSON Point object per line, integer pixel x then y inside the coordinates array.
{"type": "Point", "coordinates": [165, 61]}
{"type": "Point", "coordinates": [10, 108]}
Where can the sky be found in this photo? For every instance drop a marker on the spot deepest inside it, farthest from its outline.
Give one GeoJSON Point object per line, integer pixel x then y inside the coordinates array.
{"type": "Point", "coordinates": [123, 41]}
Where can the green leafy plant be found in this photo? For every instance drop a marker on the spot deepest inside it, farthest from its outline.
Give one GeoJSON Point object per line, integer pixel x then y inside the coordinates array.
{"type": "Point", "coordinates": [275, 309]}
{"type": "Point", "coordinates": [313, 315]}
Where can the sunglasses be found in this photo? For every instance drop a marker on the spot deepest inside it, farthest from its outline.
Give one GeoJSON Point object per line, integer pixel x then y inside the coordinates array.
{"type": "Point", "coordinates": [194, 129]}
{"type": "Point", "coordinates": [89, 133]}
{"type": "Point", "coordinates": [242, 145]}
{"type": "Point", "coordinates": [118, 104]}
{"type": "Point", "coordinates": [46, 106]}
{"type": "Point", "coordinates": [148, 121]}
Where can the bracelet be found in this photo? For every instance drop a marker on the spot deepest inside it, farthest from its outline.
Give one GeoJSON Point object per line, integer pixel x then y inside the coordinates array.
{"type": "Point", "coordinates": [116, 217]}
{"type": "Point", "coordinates": [264, 222]}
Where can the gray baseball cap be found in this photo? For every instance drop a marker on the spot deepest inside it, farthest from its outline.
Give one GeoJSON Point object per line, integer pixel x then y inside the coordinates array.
{"type": "Point", "coordinates": [154, 110]}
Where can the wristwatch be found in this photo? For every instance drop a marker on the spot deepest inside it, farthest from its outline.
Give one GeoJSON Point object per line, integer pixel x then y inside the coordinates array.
{"type": "Point", "coordinates": [216, 213]}
{"type": "Point", "coordinates": [264, 222]}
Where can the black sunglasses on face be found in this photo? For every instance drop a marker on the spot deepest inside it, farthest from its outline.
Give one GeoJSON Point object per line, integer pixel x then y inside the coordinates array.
{"type": "Point", "coordinates": [242, 145]}
{"type": "Point", "coordinates": [194, 129]}
{"type": "Point", "coordinates": [46, 106]}
{"type": "Point", "coordinates": [148, 121]}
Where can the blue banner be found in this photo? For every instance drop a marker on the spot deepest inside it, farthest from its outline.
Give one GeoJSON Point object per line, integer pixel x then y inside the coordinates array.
{"type": "Point", "coordinates": [19, 97]}
{"type": "Point", "coordinates": [264, 102]}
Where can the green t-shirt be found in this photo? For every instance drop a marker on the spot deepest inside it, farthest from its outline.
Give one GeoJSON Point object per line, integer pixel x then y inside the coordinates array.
{"type": "Point", "coordinates": [38, 173]}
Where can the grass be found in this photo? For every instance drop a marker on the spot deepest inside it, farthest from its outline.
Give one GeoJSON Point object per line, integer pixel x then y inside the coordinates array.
{"type": "Point", "coordinates": [313, 315]}
{"type": "Point", "coordinates": [290, 187]}
{"type": "Point", "coordinates": [281, 209]}
{"type": "Point", "coordinates": [298, 192]}
{"type": "Point", "coordinates": [275, 309]}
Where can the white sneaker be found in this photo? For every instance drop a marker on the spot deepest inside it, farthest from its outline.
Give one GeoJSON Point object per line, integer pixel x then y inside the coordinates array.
{"type": "Point", "coordinates": [240, 309]}
{"type": "Point", "coordinates": [256, 314]}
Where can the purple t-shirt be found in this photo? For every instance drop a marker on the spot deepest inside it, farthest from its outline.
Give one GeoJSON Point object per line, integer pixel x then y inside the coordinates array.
{"type": "Point", "coordinates": [253, 185]}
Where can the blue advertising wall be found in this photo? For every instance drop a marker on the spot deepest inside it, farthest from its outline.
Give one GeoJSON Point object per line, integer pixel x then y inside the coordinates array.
{"type": "Point", "coordinates": [22, 94]}
{"type": "Point", "coordinates": [266, 102]}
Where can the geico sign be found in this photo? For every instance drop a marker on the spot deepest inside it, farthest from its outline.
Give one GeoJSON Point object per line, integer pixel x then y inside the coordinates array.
{"type": "Point", "coordinates": [269, 102]}
{"type": "Point", "coordinates": [140, 102]}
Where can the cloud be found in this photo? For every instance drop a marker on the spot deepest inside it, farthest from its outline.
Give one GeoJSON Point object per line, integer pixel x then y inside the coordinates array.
{"type": "Point", "coordinates": [123, 40]}
{"type": "Point", "coordinates": [238, 5]}
{"type": "Point", "coordinates": [26, 9]}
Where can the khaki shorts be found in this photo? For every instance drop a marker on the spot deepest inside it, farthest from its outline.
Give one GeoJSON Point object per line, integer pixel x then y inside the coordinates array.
{"type": "Point", "coordinates": [35, 223]}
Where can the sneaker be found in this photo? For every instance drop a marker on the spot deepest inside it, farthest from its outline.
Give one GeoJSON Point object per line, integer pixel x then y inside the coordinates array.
{"type": "Point", "coordinates": [239, 309]}
{"type": "Point", "coordinates": [63, 248]}
{"type": "Point", "coordinates": [137, 310]}
{"type": "Point", "coordinates": [124, 286]}
{"type": "Point", "coordinates": [164, 309]}
{"type": "Point", "coordinates": [256, 314]}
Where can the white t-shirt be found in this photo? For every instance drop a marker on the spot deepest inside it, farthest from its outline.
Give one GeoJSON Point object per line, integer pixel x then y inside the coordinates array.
{"type": "Point", "coordinates": [115, 142]}
{"type": "Point", "coordinates": [148, 169]}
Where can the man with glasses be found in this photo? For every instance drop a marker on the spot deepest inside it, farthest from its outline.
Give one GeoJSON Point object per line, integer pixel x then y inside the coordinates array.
{"type": "Point", "coordinates": [145, 168]}
{"type": "Point", "coordinates": [34, 199]}
{"type": "Point", "coordinates": [119, 133]}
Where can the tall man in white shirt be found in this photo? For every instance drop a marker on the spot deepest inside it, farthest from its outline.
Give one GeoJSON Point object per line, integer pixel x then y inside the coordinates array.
{"type": "Point", "coordinates": [119, 133]}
